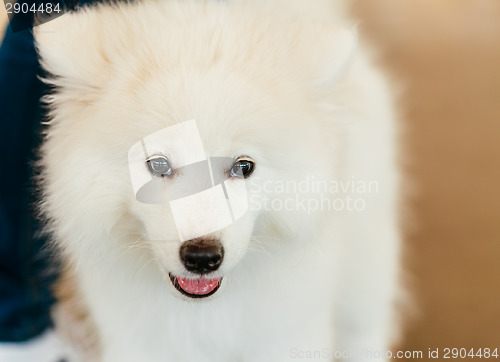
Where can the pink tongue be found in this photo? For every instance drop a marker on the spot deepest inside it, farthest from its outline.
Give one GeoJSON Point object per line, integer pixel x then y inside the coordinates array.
{"type": "Point", "coordinates": [198, 286]}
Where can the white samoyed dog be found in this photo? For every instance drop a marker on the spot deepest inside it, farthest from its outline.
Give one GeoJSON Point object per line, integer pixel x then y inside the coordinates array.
{"type": "Point", "coordinates": [221, 181]}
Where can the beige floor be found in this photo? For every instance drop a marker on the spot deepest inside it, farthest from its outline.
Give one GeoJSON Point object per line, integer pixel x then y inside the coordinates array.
{"type": "Point", "coordinates": [3, 20]}
{"type": "Point", "coordinates": [447, 52]}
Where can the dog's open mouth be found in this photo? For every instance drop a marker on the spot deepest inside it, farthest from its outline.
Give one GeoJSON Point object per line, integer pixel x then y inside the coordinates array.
{"type": "Point", "coordinates": [196, 288]}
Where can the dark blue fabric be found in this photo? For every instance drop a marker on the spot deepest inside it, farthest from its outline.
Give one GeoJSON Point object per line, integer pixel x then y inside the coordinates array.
{"type": "Point", "coordinates": [24, 288]}
{"type": "Point", "coordinates": [25, 296]}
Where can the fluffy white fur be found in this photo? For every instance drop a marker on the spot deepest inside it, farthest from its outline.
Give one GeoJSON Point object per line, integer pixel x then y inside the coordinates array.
{"type": "Point", "coordinates": [286, 83]}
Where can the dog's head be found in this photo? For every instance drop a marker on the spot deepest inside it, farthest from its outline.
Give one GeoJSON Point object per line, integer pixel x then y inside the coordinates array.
{"type": "Point", "coordinates": [169, 118]}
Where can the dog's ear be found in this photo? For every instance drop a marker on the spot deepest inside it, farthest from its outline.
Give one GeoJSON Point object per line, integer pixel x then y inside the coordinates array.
{"type": "Point", "coordinates": [72, 50]}
{"type": "Point", "coordinates": [336, 50]}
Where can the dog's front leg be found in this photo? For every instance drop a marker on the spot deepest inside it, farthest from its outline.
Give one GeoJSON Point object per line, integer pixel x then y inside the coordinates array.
{"type": "Point", "coordinates": [368, 287]}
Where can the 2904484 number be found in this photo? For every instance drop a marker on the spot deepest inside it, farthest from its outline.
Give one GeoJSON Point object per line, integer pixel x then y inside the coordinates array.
{"type": "Point", "coordinates": [25, 8]}
{"type": "Point", "coordinates": [470, 353]}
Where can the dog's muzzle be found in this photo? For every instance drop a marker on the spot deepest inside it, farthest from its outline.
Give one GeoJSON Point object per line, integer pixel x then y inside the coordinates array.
{"type": "Point", "coordinates": [199, 256]}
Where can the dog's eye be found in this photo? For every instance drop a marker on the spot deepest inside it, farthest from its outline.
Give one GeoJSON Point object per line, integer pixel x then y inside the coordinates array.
{"type": "Point", "coordinates": [159, 166]}
{"type": "Point", "coordinates": [242, 168]}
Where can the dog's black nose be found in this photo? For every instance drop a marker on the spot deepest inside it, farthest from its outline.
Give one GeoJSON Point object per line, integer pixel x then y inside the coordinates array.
{"type": "Point", "coordinates": [202, 256]}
